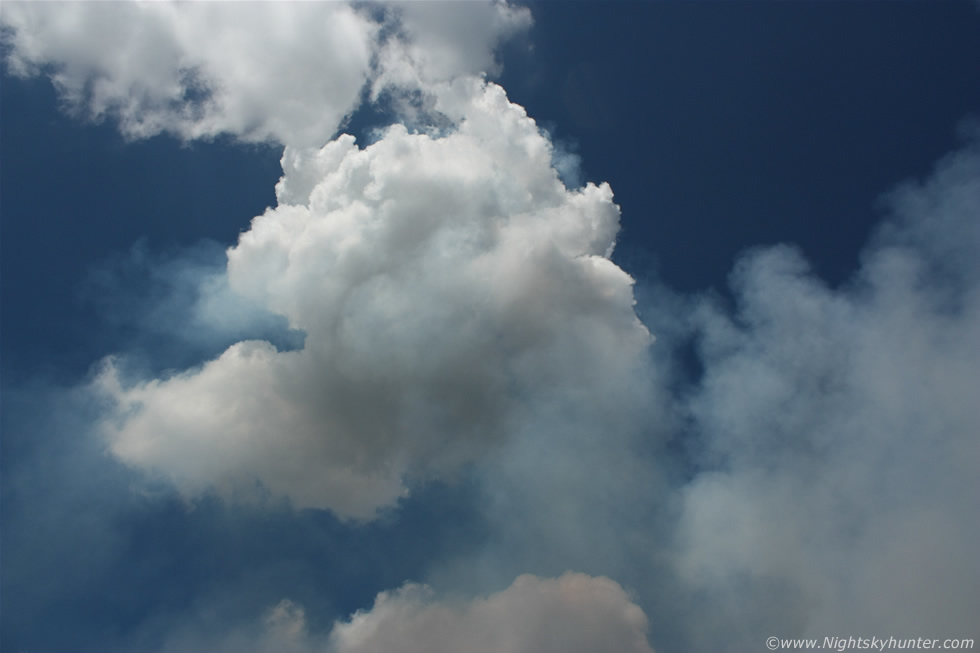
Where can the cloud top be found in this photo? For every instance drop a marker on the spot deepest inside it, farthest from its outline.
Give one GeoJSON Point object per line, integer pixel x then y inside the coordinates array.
{"type": "Point", "coordinates": [574, 613]}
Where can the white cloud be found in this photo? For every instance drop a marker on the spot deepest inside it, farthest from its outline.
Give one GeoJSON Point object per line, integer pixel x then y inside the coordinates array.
{"type": "Point", "coordinates": [199, 69]}
{"type": "Point", "coordinates": [261, 71]}
{"type": "Point", "coordinates": [451, 290]}
{"type": "Point", "coordinates": [437, 42]}
{"type": "Point", "coordinates": [841, 429]}
{"type": "Point", "coordinates": [571, 614]}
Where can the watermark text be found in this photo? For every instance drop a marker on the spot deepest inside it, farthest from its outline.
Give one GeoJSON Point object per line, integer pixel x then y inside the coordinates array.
{"type": "Point", "coordinates": [867, 643]}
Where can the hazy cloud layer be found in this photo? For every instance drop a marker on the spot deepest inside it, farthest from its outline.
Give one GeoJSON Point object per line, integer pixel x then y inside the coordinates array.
{"type": "Point", "coordinates": [450, 289]}
{"type": "Point", "coordinates": [260, 71]}
{"type": "Point", "coordinates": [176, 309]}
{"type": "Point", "coordinates": [840, 429]}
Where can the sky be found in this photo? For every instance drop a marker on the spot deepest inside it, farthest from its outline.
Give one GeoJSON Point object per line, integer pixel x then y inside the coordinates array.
{"type": "Point", "coordinates": [464, 326]}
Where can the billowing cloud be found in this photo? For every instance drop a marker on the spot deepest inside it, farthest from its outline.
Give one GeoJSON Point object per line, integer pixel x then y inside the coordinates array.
{"type": "Point", "coordinates": [450, 288]}
{"type": "Point", "coordinates": [574, 613]}
{"type": "Point", "coordinates": [200, 69]}
{"type": "Point", "coordinates": [841, 428]}
{"type": "Point", "coordinates": [258, 71]}
{"type": "Point", "coordinates": [571, 614]}
{"type": "Point", "coordinates": [438, 42]}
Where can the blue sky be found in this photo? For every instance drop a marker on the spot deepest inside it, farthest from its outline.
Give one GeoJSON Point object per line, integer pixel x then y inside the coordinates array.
{"type": "Point", "coordinates": [421, 402]}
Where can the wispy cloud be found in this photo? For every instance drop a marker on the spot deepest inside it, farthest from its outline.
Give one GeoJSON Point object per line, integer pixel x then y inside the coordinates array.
{"type": "Point", "coordinates": [839, 429]}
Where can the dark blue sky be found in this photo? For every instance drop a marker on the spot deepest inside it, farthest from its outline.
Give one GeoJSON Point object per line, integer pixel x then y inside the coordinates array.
{"type": "Point", "coordinates": [75, 195]}
{"type": "Point", "coordinates": [720, 126]}
{"type": "Point", "coordinates": [727, 125]}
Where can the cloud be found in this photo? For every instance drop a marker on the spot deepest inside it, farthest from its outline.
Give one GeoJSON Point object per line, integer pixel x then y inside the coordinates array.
{"type": "Point", "coordinates": [840, 430]}
{"type": "Point", "coordinates": [574, 613]}
{"type": "Point", "coordinates": [282, 629]}
{"type": "Point", "coordinates": [259, 71]}
{"type": "Point", "coordinates": [174, 310]}
{"type": "Point", "coordinates": [197, 70]}
{"type": "Point", "coordinates": [437, 42]}
{"type": "Point", "coordinates": [462, 315]}
{"type": "Point", "coordinates": [450, 288]}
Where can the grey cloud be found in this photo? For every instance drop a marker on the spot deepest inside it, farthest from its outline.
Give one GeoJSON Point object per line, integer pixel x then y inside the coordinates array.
{"type": "Point", "coordinates": [841, 428]}
{"type": "Point", "coordinates": [815, 478]}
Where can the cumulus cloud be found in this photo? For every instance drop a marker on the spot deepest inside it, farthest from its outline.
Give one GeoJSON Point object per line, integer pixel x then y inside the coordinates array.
{"type": "Point", "coordinates": [574, 613]}
{"type": "Point", "coordinates": [200, 69]}
{"type": "Point", "coordinates": [450, 288]}
{"type": "Point", "coordinates": [840, 430]}
{"type": "Point", "coordinates": [437, 42]}
{"type": "Point", "coordinates": [260, 71]}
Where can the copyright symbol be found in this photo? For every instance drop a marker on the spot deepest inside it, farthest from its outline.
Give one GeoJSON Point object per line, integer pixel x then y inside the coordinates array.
{"type": "Point", "coordinates": [772, 643]}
